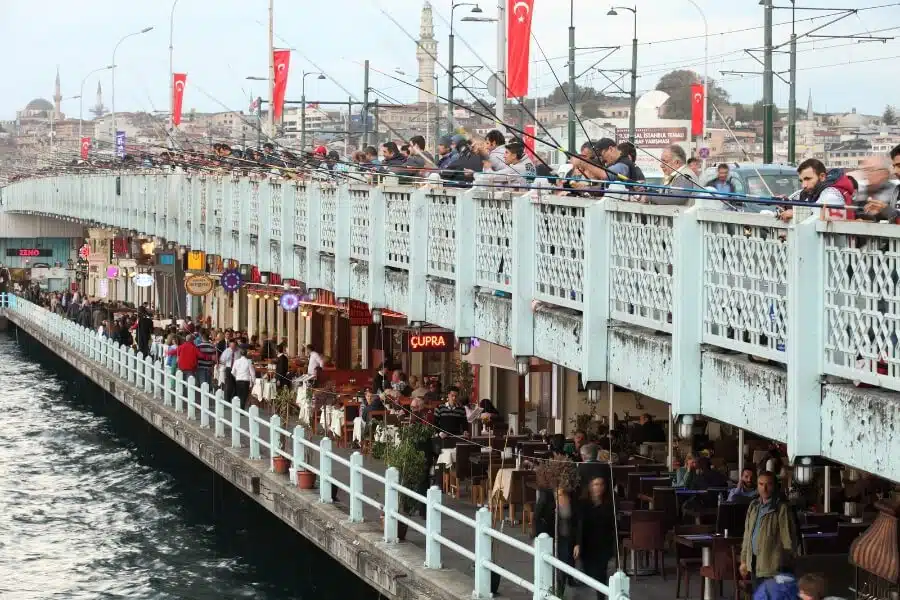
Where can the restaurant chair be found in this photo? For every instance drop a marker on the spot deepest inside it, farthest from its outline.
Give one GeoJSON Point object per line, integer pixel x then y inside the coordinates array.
{"type": "Point", "coordinates": [529, 498]}
{"type": "Point", "coordinates": [687, 560]}
{"type": "Point", "coordinates": [647, 534]}
{"type": "Point", "coordinates": [722, 567]}
{"type": "Point", "coordinates": [633, 484]}
{"type": "Point", "coordinates": [732, 516]}
{"type": "Point", "coordinates": [664, 499]}
{"type": "Point", "coordinates": [351, 411]}
{"type": "Point", "coordinates": [743, 585]}
{"type": "Point", "coordinates": [648, 483]}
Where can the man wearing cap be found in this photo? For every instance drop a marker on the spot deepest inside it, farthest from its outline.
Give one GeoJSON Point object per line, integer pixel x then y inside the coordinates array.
{"type": "Point", "coordinates": [445, 151]}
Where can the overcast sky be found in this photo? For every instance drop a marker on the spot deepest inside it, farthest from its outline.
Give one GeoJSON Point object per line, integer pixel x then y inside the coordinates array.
{"type": "Point", "coordinates": [219, 43]}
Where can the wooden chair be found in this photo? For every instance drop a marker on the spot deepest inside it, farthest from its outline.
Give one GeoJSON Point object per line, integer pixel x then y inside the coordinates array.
{"type": "Point", "coordinates": [687, 560]}
{"type": "Point", "coordinates": [633, 484]}
{"type": "Point", "coordinates": [664, 499]}
{"type": "Point", "coordinates": [722, 567]}
{"type": "Point", "coordinates": [731, 517]}
{"type": "Point", "coordinates": [351, 411]}
{"type": "Point", "coordinates": [743, 585]}
{"type": "Point", "coordinates": [824, 522]}
{"type": "Point", "coordinates": [647, 535]}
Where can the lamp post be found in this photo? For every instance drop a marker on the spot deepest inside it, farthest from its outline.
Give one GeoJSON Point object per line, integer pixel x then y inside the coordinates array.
{"type": "Point", "coordinates": [113, 67]}
{"type": "Point", "coordinates": [171, 68]}
{"type": "Point", "coordinates": [303, 106]}
{"type": "Point", "coordinates": [705, 69]}
{"type": "Point", "coordinates": [81, 97]}
{"type": "Point", "coordinates": [476, 9]}
{"type": "Point", "coordinates": [631, 115]}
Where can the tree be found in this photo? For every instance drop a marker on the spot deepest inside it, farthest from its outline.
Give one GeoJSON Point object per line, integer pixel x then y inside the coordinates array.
{"type": "Point", "coordinates": [591, 110]}
{"type": "Point", "coordinates": [677, 84]}
{"type": "Point", "coordinates": [582, 94]}
{"type": "Point", "coordinates": [889, 117]}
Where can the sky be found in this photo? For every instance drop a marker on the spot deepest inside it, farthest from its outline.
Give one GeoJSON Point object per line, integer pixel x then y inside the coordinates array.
{"type": "Point", "coordinates": [219, 43]}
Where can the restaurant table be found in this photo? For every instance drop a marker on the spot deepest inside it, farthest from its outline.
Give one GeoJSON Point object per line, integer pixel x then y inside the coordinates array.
{"type": "Point", "coordinates": [502, 482]}
{"type": "Point", "coordinates": [704, 541]}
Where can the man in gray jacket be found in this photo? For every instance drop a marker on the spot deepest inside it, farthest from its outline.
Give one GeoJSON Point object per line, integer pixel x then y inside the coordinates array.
{"type": "Point", "coordinates": [680, 186]}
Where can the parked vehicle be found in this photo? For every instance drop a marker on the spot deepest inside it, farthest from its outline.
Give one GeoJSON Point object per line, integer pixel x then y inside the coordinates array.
{"type": "Point", "coordinates": [756, 180]}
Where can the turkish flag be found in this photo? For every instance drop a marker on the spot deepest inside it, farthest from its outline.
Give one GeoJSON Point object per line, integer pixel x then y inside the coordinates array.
{"type": "Point", "coordinates": [85, 147]}
{"type": "Point", "coordinates": [179, 80]}
{"type": "Point", "coordinates": [696, 109]}
{"type": "Point", "coordinates": [518, 44]}
{"type": "Point", "coordinates": [282, 62]}
{"type": "Point", "coordinates": [529, 140]}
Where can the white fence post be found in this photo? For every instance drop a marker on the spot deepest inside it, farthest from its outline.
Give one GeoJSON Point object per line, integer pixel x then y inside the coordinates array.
{"type": "Point", "coordinates": [482, 589]}
{"type": "Point", "coordinates": [356, 488]}
{"type": "Point", "coordinates": [122, 353]}
{"type": "Point", "coordinates": [325, 470]}
{"type": "Point", "coordinates": [254, 432]}
{"type": "Point", "coordinates": [299, 448]}
{"type": "Point", "coordinates": [219, 409]}
{"type": "Point", "coordinates": [391, 504]}
{"type": "Point", "coordinates": [204, 405]}
{"type": "Point", "coordinates": [274, 440]}
{"type": "Point", "coordinates": [168, 387]}
{"type": "Point", "coordinates": [433, 529]}
{"type": "Point", "coordinates": [619, 586]}
{"type": "Point", "coordinates": [203, 393]}
{"type": "Point", "coordinates": [149, 375]}
{"type": "Point", "coordinates": [179, 385]}
{"type": "Point", "coordinates": [235, 423]}
{"type": "Point", "coordinates": [543, 571]}
{"type": "Point", "coordinates": [132, 366]}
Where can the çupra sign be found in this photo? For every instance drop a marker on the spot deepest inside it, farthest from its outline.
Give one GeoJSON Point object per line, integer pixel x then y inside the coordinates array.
{"type": "Point", "coordinates": [431, 342]}
{"type": "Point", "coordinates": [653, 137]}
{"type": "Point", "coordinates": [198, 285]}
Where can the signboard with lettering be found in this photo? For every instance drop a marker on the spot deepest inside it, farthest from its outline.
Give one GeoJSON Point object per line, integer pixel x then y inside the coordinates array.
{"type": "Point", "coordinates": [654, 137]}
{"type": "Point", "coordinates": [143, 280]}
{"type": "Point", "coordinates": [29, 252]}
{"type": "Point", "coordinates": [443, 341]}
{"type": "Point", "coordinates": [198, 285]}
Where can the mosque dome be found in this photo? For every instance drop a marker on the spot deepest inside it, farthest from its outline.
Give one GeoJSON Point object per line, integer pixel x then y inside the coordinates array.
{"type": "Point", "coordinates": [39, 104]}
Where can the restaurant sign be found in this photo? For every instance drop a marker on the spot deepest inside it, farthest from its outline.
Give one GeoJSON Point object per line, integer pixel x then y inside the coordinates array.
{"type": "Point", "coordinates": [143, 280]}
{"type": "Point", "coordinates": [443, 341]}
{"type": "Point", "coordinates": [653, 137]}
{"type": "Point", "coordinates": [198, 285]}
{"type": "Point", "coordinates": [29, 252]}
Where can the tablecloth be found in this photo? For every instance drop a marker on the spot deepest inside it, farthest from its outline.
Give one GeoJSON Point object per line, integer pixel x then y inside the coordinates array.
{"type": "Point", "coordinates": [447, 457]}
{"type": "Point", "coordinates": [359, 426]}
{"type": "Point", "coordinates": [389, 434]}
{"type": "Point", "coordinates": [337, 421]}
{"type": "Point", "coordinates": [502, 483]}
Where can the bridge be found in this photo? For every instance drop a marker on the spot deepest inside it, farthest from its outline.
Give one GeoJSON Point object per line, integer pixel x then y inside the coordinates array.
{"type": "Point", "coordinates": [666, 301]}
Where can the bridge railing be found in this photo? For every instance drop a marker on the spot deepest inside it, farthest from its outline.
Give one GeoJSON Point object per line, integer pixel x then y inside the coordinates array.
{"type": "Point", "coordinates": [227, 419]}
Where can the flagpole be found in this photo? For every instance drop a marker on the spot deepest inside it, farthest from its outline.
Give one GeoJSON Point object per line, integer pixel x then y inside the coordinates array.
{"type": "Point", "coordinates": [272, 68]}
{"type": "Point", "coordinates": [501, 59]}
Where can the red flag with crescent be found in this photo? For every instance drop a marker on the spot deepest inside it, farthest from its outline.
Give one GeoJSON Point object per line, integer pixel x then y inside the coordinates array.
{"type": "Point", "coordinates": [696, 109]}
{"type": "Point", "coordinates": [282, 62]}
{"type": "Point", "coordinates": [178, 83]}
{"type": "Point", "coordinates": [518, 45]}
{"type": "Point", "coordinates": [85, 147]}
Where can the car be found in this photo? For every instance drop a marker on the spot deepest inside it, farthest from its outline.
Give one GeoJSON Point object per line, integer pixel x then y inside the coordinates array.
{"type": "Point", "coordinates": [756, 180]}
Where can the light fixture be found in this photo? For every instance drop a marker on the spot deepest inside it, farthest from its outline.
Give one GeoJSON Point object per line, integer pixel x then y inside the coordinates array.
{"type": "Point", "coordinates": [594, 394]}
{"type": "Point", "coordinates": [286, 285]}
{"type": "Point", "coordinates": [850, 475]}
{"type": "Point", "coordinates": [342, 301]}
{"type": "Point", "coordinates": [264, 278]}
{"type": "Point", "coordinates": [686, 427]}
{"type": "Point", "coordinates": [313, 294]}
{"type": "Point", "coordinates": [376, 316]}
{"type": "Point", "coordinates": [612, 13]}
{"type": "Point", "coordinates": [803, 472]}
{"type": "Point", "coordinates": [465, 345]}
{"type": "Point", "coordinates": [523, 365]}
{"type": "Point", "coordinates": [265, 297]}
{"type": "Point", "coordinates": [417, 324]}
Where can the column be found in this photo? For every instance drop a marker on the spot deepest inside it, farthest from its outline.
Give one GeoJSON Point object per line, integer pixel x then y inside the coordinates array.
{"type": "Point", "coordinates": [271, 306]}
{"type": "Point", "coordinates": [364, 350]}
{"type": "Point", "coordinates": [292, 332]}
{"type": "Point", "coordinates": [252, 305]}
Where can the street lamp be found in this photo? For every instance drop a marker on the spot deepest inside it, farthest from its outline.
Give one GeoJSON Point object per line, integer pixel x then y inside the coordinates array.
{"type": "Point", "coordinates": [477, 10]}
{"type": "Point", "coordinates": [705, 68]}
{"type": "Point", "coordinates": [303, 106]}
{"type": "Point", "coordinates": [631, 117]}
{"type": "Point", "coordinates": [81, 96]}
{"type": "Point", "coordinates": [113, 66]}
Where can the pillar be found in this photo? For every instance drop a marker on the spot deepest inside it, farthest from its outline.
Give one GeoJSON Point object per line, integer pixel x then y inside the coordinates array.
{"type": "Point", "coordinates": [291, 318]}
{"type": "Point", "coordinates": [252, 305]}
{"type": "Point", "coordinates": [271, 306]}
{"type": "Point", "coordinates": [364, 350]}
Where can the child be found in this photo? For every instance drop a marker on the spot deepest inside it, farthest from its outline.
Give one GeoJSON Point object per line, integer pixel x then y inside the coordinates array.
{"type": "Point", "coordinates": [812, 587]}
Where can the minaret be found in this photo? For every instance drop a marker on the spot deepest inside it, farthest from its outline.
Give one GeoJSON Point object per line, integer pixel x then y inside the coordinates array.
{"type": "Point", "coordinates": [810, 116]}
{"type": "Point", "coordinates": [57, 98]}
{"type": "Point", "coordinates": [426, 52]}
{"type": "Point", "coordinates": [98, 109]}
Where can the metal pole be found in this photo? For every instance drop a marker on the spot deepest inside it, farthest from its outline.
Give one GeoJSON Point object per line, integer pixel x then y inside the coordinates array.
{"type": "Point", "coordinates": [571, 129]}
{"type": "Point", "coordinates": [375, 122]}
{"type": "Point", "coordinates": [501, 59]}
{"type": "Point", "coordinates": [768, 84]}
{"type": "Point", "coordinates": [364, 115]}
{"type": "Point", "coordinates": [437, 117]}
{"type": "Point", "coordinates": [632, 116]}
{"type": "Point", "coordinates": [792, 105]}
{"type": "Point", "coordinates": [450, 123]}
{"type": "Point", "coordinates": [81, 111]}
{"type": "Point", "coordinates": [272, 68]}
{"type": "Point", "coordinates": [827, 500]}
{"type": "Point", "coordinates": [347, 138]}
{"type": "Point", "coordinates": [740, 452]}
{"type": "Point", "coordinates": [303, 112]}
{"type": "Point", "coordinates": [171, 68]}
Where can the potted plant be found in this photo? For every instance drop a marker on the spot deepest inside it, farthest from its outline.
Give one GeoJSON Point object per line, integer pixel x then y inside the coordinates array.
{"type": "Point", "coordinates": [408, 458]}
{"type": "Point", "coordinates": [281, 406]}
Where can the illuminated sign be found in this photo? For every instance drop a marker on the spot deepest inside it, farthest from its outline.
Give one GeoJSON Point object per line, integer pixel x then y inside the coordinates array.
{"type": "Point", "coordinates": [432, 342]}
{"type": "Point", "coordinates": [143, 280]}
{"type": "Point", "coordinates": [29, 252]}
{"type": "Point", "coordinates": [198, 285]}
{"type": "Point", "coordinates": [165, 259]}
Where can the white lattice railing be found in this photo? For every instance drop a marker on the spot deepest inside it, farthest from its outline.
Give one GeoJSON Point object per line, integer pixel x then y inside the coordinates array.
{"type": "Point", "coordinates": [862, 302]}
{"type": "Point", "coordinates": [641, 264]}
{"type": "Point", "coordinates": [359, 222]}
{"type": "Point", "coordinates": [559, 250]}
{"type": "Point", "coordinates": [328, 199]}
{"type": "Point", "coordinates": [745, 264]}
{"type": "Point", "coordinates": [442, 234]}
{"type": "Point", "coordinates": [493, 240]}
{"type": "Point", "coordinates": [268, 438]}
{"type": "Point", "coordinates": [398, 202]}
{"type": "Point", "coordinates": [301, 214]}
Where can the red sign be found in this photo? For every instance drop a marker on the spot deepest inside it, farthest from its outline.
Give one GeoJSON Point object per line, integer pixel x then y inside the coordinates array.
{"type": "Point", "coordinates": [697, 109]}
{"type": "Point", "coordinates": [281, 60]}
{"type": "Point", "coordinates": [518, 44]}
{"type": "Point", "coordinates": [85, 147]}
{"type": "Point", "coordinates": [432, 342]}
{"type": "Point", "coordinates": [178, 82]}
{"type": "Point", "coordinates": [32, 252]}
{"type": "Point", "coordinates": [84, 251]}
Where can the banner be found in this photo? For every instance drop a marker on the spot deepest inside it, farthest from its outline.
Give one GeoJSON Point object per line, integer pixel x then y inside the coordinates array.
{"type": "Point", "coordinates": [180, 79]}
{"type": "Point", "coordinates": [518, 44]}
{"type": "Point", "coordinates": [529, 140]}
{"type": "Point", "coordinates": [85, 147]}
{"type": "Point", "coordinates": [120, 144]}
{"type": "Point", "coordinates": [282, 62]}
{"type": "Point", "coordinates": [696, 109]}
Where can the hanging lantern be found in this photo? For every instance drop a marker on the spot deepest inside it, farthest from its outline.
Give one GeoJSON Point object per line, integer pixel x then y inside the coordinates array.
{"type": "Point", "coordinates": [465, 345]}
{"type": "Point", "coordinates": [376, 316]}
{"type": "Point", "coordinates": [231, 280]}
{"type": "Point", "coordinates": [289, 302]}
{"type": "Point", "coordinates": [523, 365]}
{"type": "Point", "coordinates": [803, 472]}
{"type": "Point", "coordinates": [313, 294]}
{"type": "Point", "coordinates": [686, 427]}
{"type": "Point", "coordinates": [594, 394]}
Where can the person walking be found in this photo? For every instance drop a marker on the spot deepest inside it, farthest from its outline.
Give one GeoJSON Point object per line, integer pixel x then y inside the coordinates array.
{"type": "Point", "coordinates": [595, 534]}
{"type": "Point", "coordinates": [769, 533]}
{"type": "Point", "coordinates": [244, 375]}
